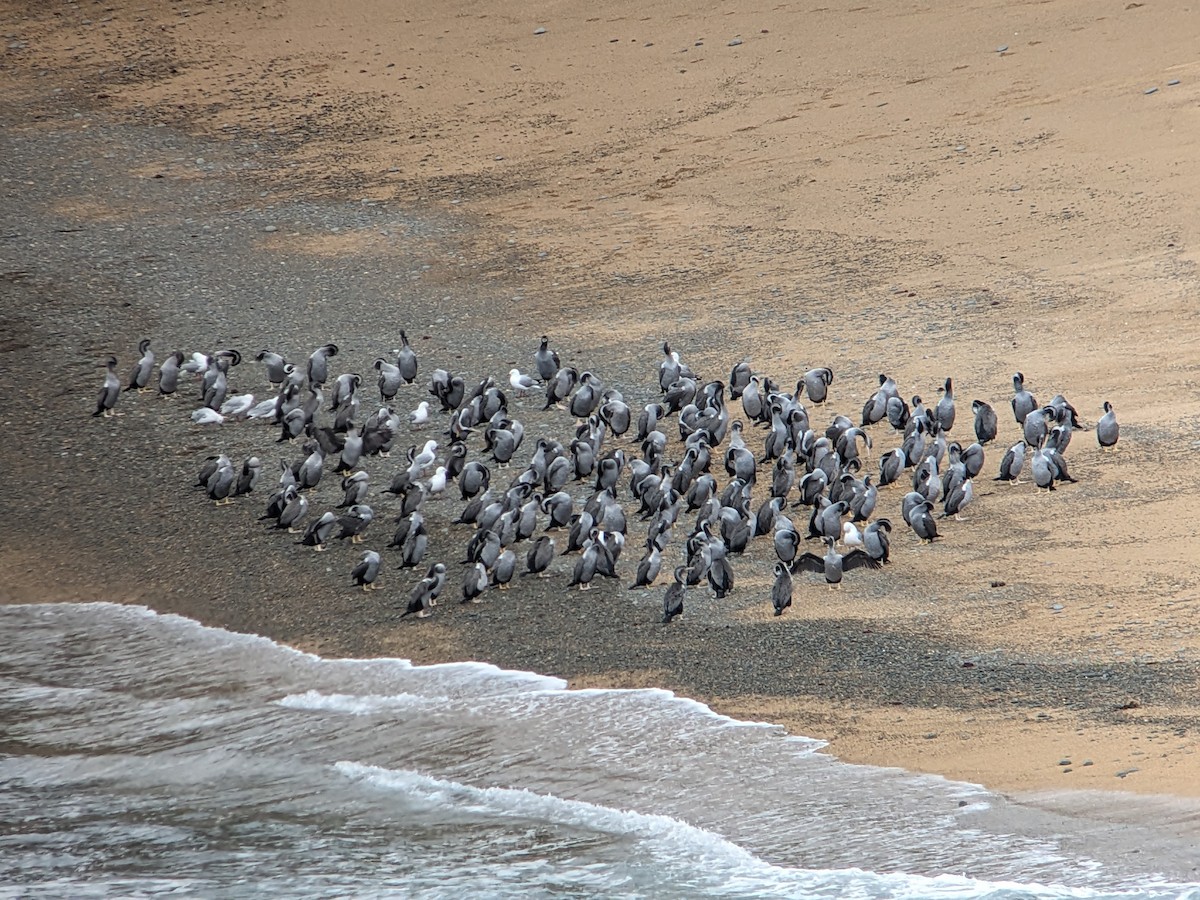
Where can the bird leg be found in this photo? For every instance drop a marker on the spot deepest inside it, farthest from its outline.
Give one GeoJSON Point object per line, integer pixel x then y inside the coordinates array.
{"type": "Point", "coordinates": [292, 530]}
{"type": "Point", "coordinates": [319, 548]}
{"type": "Point", "coordinates": [225, 501]}
{"type": "Point", "coordinates": [356, 538]}
{"type": "Point", "coordinates": [366, 587]}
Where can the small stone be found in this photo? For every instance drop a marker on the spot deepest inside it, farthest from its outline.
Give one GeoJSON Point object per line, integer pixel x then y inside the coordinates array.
{"type": "Point", "coordinates": [735, 42]}
{"type": "Point", "coordinates": [1173, 82]}
{"type": "Point", "coordinates": [1152, 90]}
{"type": "Point", "coordinates": [271, 229]}
{"type": "Point", "coordinates": [1087, 762]}
{"type": "Point", "coordinates": [539, 31]}
{"type": "Point", "coordinates": [930, 735]}
{"type": "Point", "coordinates": [1057, 607]}
{"type": "Point", "coordinates": [1064, 762]}
{"type": "Point", "coordinates": [1002, 49]}
{"type": "Point", "coordinates": [1125, 772]}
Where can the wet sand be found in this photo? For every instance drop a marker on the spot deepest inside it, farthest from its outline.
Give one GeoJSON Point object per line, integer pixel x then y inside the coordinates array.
{"type": "Point", "coordinates": [869, 189]}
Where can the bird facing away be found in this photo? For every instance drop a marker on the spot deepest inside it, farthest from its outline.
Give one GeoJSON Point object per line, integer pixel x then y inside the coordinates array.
{"type": "Point", "coordinates": [1107, 429]}
{"type": "Point", "coordinates": [673, 598]}
{"type": "Point", "coordinates": [781, 590]}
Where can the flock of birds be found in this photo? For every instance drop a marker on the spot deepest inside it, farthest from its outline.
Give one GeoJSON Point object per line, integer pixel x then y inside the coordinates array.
{"type": "Point", "coordinates": [803, 465]}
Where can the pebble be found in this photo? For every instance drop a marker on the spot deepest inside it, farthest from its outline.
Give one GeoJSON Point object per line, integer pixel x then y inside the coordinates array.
{"type": "Point", "coordinates": [1002, 49]}
{"type": "Point", "coordinates": [1125, 772]}
{"type": "Point", "coordinates": [1087, 762]}
{"type": "Point", "coordinates": [1152, 90]}
{"type": "Point", "coordinates": [1064, 762]}
{"type": "Point", "coordinates": [270, 229]}
{"type": "Point", "coordinates": [1173, 82]}
{"type": "Point", "coordinates": [735, 42]}
{"type": "Point", "coordinates": [539, 31]}
{"type": "Point", "coordinates": [1057, 607]}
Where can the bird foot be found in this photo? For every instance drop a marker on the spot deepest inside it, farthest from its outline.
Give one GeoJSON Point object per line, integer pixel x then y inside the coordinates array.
{"type": "Point", "coordinates": [356, 539]}
{"type": "Point", "coordinates": [293, 530]}
{"type": "Point", "coordinates": [227, 501]}
{"type": "Point", "coordinates": [423, 614]}
{"type": "Point", "coordinates": [319, 548]}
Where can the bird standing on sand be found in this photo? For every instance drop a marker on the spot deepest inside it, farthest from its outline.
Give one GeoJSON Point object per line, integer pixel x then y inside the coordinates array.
{"type": "Point", "coordinates": [406, 359]}
{"type": "Point", "coordinates": [781, 590]}
{"type": "Point", "coordinates": [1023, 402]}
{"type": "Point", "coordinates": [546, 360]}
{"type": "Point", "coordinates": [424, 595]}
{"type": "Point", "coordinates": [833, 564]}
{"type": "Point", "coordinates": [985, 421]}
{"type": "Point", "coordinates": [139, 378]}
{"type": "Point", "coordinates": [522, 384]}
{"type": "Point", "coordinates": [365, 573]}
{"type": "Point", "coordinates": [475, 582]}
{"type": "Point", "coordinates": [1107, 429]}
{"type": "Point", "coordinates": [110, 392]}
{"type": "Point", "coordinates": [674, 596]}
{"type": "Point", "coordinates": [318, 533]}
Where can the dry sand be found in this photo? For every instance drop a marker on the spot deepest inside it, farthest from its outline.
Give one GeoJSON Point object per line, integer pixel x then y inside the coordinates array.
{"type": "Point", "coordinates": [869, 187]}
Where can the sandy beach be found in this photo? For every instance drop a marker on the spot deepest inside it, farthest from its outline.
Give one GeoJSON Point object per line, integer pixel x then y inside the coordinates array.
{"type": "Point", "coordinates": [926, 192]}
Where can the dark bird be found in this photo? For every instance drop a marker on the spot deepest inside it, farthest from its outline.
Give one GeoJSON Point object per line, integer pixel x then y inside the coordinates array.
{"type": "Point", "coordinates": [367, 571]}
{"type": "Point", "coordinates": [781, 590]}
{"type": "Point", "coordinates": [985, 421]}
{"type": "Point", "coordinates": [833, 564]}
{"type": "Point", "coordinates": [673, 598]}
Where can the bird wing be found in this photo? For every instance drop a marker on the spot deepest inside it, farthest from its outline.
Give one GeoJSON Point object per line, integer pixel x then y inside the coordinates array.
{"type": "Point", "coordinates": [858, 559]}
{"type": "Point", "coordinates": [809, 562]}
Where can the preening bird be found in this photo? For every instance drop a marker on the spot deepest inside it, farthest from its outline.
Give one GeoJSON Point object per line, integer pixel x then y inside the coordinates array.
{"type": "Point", "coordinates": [367, 571]}
{"type": "Point", "coordinates": [110, 392]}
{"type": "Point", "coordinates": [1107, 429]}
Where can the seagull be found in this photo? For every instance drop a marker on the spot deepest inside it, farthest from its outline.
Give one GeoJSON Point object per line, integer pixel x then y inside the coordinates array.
{"type": "Point", "coordinates": [420, 415]}
{"type": "Point", "coordinates": [522, 384]}
{"type": "Point", "coordinates": [206, 416]}
{"type": "Point", "coordinates": [237, 406]}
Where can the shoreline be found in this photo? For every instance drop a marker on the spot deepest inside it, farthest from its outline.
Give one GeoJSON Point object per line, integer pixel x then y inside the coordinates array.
{"type": "Point", "coordinates": [132, 230]}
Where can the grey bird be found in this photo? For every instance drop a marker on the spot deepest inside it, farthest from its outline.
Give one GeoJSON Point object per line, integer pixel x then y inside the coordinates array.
{"type": "Point", "coordinates": [295, 508]}
{"type": "Point", "coordinates": [816, 382]}
{"type": "Point", "coordinates": [110, 392]}
{"type": "Point", "coordinates": [1108, 430]}
{"type": "Point", "coordinates": [985, 421]}
{"type": "Point", "coordinates": [1037, 425]}
{"type": "Point", "coordinates": [585, 566]}
{"type": "Point", "coordinates": [1012, 464]}
{"type": "Point", "coordinates": [389, 379]}
{"type": "Point", "coordinates": [367, 571]}
{"type": "Point", "coordinates": [424, 595]}
{"type": "Point", "coordinates": [274, 363]}
{"type": "Point", "coordinates": [876, 539]}
{"type": "Point", "coordinates": [168, 374]}
{"type": "Point", "coordinates": [1042, 472]}
{"type": "Point", "coordinates": [675, 594]}
{"type": "Point", "coordinates": [786, 539]}
{"type": "Point", "coordinates": [354, 489]}
{"type": "Point", "coordinates": [1023, 402]}
{"type": "Point", "coordinates": [355, 522]}
{"type": "Point", "coordinates": [546, 360]}
{"type": "Point", "coordinates": [406, 359]}
{"type": "Point", "coordinates": [539, 557]}
{"type": "Point", "coordinates": [474, 479]}
{"type": "Point", "coordinates": [739, 379]}
{"type": "Point", "coordinates": [943, 413]}
{"type": "Point", "coordinates": [504, 569]}
{"type": "Point", "coordinates": [648, 568]}
{"type": "Point", "coordinates": [220, 484]}
{"type": "Point", "coordinates": [781, 590]}
{"type": "Point", "coordinates": [318, 364]}
{"type": "Point", "coordinates": [475, 582]}
{"type": "Point", "coordinates": [248, 478]}
{"type": "Point", "coordinates": [318, 533]}
{"type": "Point", "coordinates": [833, 564]}
{"type": "Point", "coordinates": [958, 498]}
{"type": "Point", "coordinates": [920, 519]}
{"type": "Point", "coordinates": [139, 378]}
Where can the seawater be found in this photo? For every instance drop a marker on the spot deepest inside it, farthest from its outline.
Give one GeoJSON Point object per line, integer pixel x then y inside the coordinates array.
{"type": "Point", "coordinates": [146, 755]}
